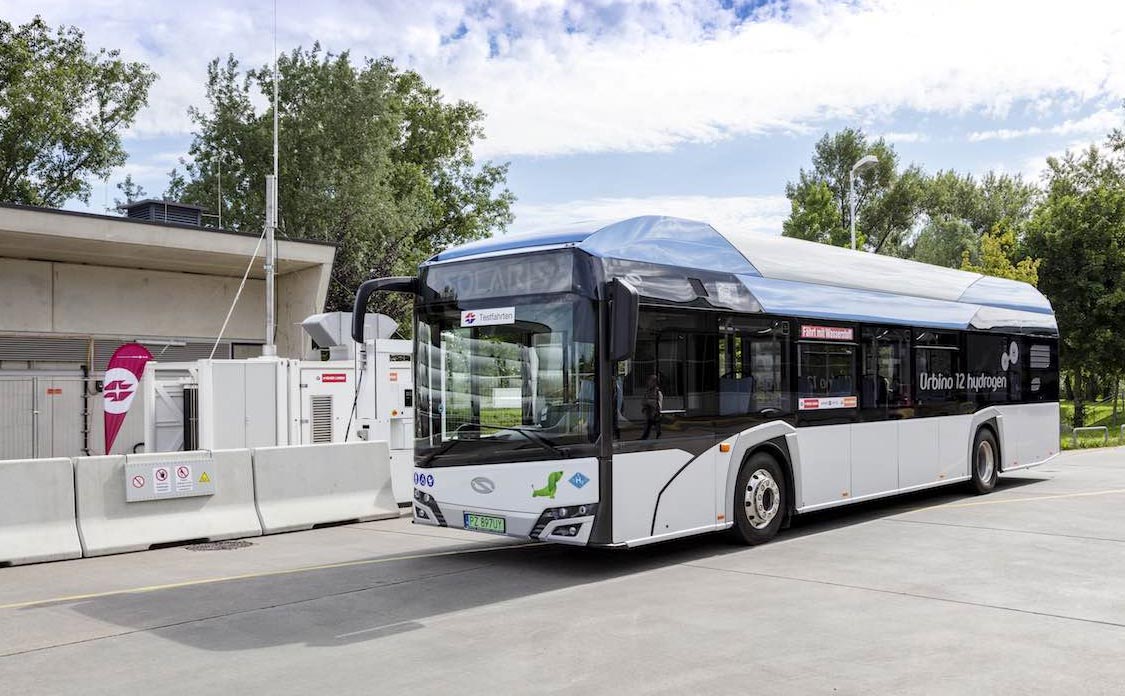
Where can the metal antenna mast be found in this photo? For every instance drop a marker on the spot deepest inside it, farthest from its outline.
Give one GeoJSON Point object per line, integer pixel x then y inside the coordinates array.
{"type": "Point", "coordinates": [270, 348]}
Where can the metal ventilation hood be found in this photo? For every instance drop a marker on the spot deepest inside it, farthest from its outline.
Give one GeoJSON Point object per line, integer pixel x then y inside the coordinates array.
{"type": "Point", "coordinates": [334, 328]}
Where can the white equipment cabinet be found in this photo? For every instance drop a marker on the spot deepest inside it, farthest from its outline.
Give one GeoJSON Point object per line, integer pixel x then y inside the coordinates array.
{"type": "Point", "coordinates": [265, 402]}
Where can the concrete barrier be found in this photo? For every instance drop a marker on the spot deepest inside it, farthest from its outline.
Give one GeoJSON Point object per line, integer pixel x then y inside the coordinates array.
{"type": "Point", "coordinates": [37, 511]}
{"type": "Point", "coordinates": [300, 487]}
{"type": "Point", "coordinates": [108, 524]}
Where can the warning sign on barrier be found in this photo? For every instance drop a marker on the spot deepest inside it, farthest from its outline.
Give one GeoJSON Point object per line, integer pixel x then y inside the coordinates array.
{"type": "Point", "coordinates": [161, 480]}
{"type": "Point", "coordinates": [170, 477]}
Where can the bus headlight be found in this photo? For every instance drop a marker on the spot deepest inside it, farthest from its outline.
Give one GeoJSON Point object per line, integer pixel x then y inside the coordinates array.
{"type": "Point", "coordinates": [426, 508]}
{"type": "Point", "coordinates": [564, 513]}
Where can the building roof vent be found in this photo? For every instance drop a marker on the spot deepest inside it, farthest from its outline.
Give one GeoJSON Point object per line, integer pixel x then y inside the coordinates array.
{"type": "Point", "coordinates": [154, 210]}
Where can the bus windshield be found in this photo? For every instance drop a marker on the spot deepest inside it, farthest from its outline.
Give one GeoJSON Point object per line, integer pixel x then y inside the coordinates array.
{"type": "Point", "coordinates": [510, 380]}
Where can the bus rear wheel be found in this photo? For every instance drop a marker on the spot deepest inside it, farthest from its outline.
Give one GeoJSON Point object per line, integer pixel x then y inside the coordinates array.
{"type": "Point", "coordinates": [985, 462]}
{"type": "Point", "coordinates": [759, 500]}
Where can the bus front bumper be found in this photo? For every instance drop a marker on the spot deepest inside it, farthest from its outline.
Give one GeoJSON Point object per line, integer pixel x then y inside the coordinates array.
{"type": "Point", "coordinates": [565, 524]}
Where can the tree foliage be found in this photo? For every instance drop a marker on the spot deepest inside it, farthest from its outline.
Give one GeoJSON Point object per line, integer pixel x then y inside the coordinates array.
{"type": "Point", "coordinates": [905, 212]}
{"type": "Point", "coordinates": [997, 248]}
{"type": "Point", "coordinates": [132, 191]}
{"type": "Point", "coordinates": [1079, 233]}
{"type": "Point", "coordinates": [64, 109]}
{"type": "Point", "coordinates": [815, 217]}
{"type": "Point", "coordinates": [958, 211]}
{"type": "Point", "coordinates": [371, 158]}
{"type": "Point", "coordinates": [886, 199]}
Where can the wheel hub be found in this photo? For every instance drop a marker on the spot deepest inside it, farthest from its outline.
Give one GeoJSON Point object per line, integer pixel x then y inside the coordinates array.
{"type": "Point", "coordinates": [763, 499]}
{"type": "Point", "coordinates": [986, 461]}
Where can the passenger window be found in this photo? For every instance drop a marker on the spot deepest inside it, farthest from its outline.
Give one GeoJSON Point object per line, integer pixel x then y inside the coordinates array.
{"type": "Point", "coordinates": [938, 371]}
{"type": "Point", "coordinates": [886, 368]}
{"type": "Point", "coordinates": [670, 386]}
{"type": "Point", "coordinates": [752, 368]}
{"type": "Point", "coordinates": [826, 375]}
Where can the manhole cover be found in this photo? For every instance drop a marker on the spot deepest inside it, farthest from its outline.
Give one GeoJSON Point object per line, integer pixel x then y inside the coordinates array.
{"type": "Point", "coordinates": [219, 546]}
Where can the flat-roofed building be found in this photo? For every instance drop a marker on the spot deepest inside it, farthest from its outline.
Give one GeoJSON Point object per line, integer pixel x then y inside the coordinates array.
{"type": "Point", "coordinates": [75, 286]}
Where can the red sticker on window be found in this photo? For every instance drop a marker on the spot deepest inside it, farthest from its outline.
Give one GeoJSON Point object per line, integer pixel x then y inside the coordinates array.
{"type": "Point", "coordinates": [828, 333]}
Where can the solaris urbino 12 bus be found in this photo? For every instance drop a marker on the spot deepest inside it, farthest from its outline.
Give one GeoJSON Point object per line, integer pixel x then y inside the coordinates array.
{"type": "Point", "coordinates": [655, 378]}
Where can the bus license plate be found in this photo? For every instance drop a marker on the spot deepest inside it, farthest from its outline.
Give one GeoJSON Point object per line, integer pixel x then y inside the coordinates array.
{"type": "Point", "coordinates": [484, 523]}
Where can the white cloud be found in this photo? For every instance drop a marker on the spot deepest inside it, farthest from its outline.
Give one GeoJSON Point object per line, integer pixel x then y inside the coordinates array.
{"type": "Point", "coordinates": [559, 77]}
{"type": "Point", "coordinates": [1033, 168]}
{"type": "Point", "coordinates": [1100, 122]}
{"type": "Point", "coordinates": [763, 214]}
{"type": "Point", "coordinates": [909, 137]}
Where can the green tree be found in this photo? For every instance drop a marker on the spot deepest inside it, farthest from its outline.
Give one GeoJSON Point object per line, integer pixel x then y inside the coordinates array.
{"type": "Point", "coordinates": [132, 191]}
{"type": "Point", "coordinates": [1079, 233]}
{"type": "Point", "coordinates": [958, 211]}
{"type": "Point", "coordinates": [996, 251]}
{"type": "Point", "coordinates": [371, 158]}
{"type": "Point", "coordinates": [945, 242]}
{"type": "Point", "coordinates": [177, 186]}
{"type": "Point", "coordinates": [815, 217]}
{"type": "Point", "coordinates": [64, 109]}
{"type": "Point", "coordinates": [886, 200]}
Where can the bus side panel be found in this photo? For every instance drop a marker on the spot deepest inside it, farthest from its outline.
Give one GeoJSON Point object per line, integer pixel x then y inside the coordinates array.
{"type": "Point", "coordinates": [825, 464]}
{"type": "Point", "coordinates": [1031, 433]}
{"type": "Point", "coordinates": [687, 501]}
{"type": "Point", "coordinates": [955, 435]}
{"type": "Point", "coordinates": [637, 480]}
{"type": "Point", "coordinates": [874, 458]}
{"type": "Point", "coordinates": [919, 452]}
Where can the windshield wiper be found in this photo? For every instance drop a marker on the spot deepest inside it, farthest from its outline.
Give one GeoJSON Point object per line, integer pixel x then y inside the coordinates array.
{"type": "Point", "coordinates": [448, 444]}
{"type": "Point", "coordinates": [440, 451]}
{"type": "Point", "coordinates": [537, 439]}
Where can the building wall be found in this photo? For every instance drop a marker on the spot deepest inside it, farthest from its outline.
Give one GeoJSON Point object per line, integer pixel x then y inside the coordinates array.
{"type": "Point", "coordinates": [77, 299]}
{"type": "Point", "coordinates": [298, 296]}
{"type": "Point", "coordinates": [25, 295]}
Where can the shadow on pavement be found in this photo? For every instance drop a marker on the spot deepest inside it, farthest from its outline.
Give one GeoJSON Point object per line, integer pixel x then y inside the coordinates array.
{"type": "Point", "coordinates": [383, 597]}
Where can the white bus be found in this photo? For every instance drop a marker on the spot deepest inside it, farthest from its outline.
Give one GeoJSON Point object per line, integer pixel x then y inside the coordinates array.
{"type": "Point", "coordinates": [656, 378]}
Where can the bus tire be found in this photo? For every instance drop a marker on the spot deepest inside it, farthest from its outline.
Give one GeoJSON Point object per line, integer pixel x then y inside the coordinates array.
{"type": "Point", "coordinates": [985, 462]}
{"type": "Point", "coordinates": [760, 497]}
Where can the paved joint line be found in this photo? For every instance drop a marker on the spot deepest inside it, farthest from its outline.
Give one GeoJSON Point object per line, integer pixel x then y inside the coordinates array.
{"type": "Point", "coordinates": [263, 574]}
{"type": "Point", "coordinates": [1002, 501]}
{"type": "Point", "coordinates": [358, 528]}
{"type": "Point", "coordinates": [1006, 529]}
{"type": "Point", "coordinates": [912, 595]}
{"type": "Point", "coordinates": [240, 612]}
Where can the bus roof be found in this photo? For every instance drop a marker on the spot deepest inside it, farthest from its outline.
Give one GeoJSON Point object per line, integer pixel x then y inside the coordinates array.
{"type": "Point", "coordinates": [791, 276]}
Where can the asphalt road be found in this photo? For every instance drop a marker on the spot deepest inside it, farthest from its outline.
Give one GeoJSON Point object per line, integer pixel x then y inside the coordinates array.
{"type": "Point", "coordinates": [1022, 591]}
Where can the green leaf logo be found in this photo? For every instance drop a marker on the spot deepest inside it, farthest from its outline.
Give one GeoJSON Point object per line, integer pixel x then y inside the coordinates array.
{"type": "Point", "coordinates": [548, 491]}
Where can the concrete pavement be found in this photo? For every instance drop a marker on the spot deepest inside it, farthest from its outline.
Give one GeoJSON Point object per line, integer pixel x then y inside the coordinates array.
{"type": "Point", "coordinates": [1017, 592]}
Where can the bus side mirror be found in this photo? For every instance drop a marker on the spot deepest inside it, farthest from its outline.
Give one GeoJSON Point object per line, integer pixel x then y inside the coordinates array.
{"type": "Point", "coordinates": [407, 284]}
{"type": "Point", "coordinates": [624, 303]}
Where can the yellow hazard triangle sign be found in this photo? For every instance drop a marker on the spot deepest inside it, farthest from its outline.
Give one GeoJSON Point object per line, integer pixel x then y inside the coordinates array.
{"type": "Point", "coordinates": [205, 478]}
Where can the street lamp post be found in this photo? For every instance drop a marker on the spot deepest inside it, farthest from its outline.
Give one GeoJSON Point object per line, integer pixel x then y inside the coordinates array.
{"type": "Point", "coordinates": [863, 163]}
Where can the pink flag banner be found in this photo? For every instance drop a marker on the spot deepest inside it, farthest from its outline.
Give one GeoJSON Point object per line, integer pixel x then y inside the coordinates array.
{"type": "Point", "coordinates": [122, 379]}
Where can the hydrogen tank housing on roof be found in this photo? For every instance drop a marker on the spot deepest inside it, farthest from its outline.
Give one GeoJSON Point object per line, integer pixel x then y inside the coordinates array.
{"type": "Point", "coordinates": [788, 276]}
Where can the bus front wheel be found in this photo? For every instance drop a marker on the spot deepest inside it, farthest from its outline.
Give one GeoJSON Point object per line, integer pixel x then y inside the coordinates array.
{"type": "Point", "coordinates": [759, 500]}
{"type": "Point", "coordinates": [985, 462]}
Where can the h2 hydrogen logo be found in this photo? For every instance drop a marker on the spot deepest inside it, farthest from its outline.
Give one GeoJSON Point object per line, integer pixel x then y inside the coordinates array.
{"type": "Point", "coordinates": [579, 479]}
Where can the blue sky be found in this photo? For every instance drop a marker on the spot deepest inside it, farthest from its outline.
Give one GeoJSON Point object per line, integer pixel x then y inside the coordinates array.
{"type": "Point", "coordinates": [610, 108]}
